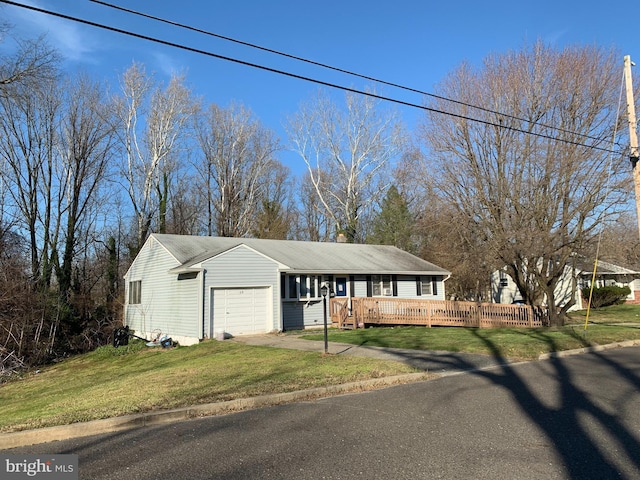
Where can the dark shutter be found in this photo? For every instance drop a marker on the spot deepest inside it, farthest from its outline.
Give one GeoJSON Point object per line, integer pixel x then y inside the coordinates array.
{"type": "Point", "coordinates": [283, 283]}
{"type": "Point", "coordinates": [434, 285]}
{"type": "Point", "coordinates": [352, 286]}
{"type": "Point", "coordinates": [394, 285]}
{"type": "Point", "coordinates": [369, 286]}
{"type": "Point", "coordinates": [418, 286]}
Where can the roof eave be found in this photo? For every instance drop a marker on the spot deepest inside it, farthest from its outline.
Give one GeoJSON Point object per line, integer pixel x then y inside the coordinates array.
{"type": "Point", "coordinates": [367, 272]}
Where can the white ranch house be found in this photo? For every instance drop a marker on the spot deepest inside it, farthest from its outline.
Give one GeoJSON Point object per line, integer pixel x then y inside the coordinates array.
{"type": "Point", "coordinates": [191, 288]}
{"type": "Point", "coordinates": [504, 290]}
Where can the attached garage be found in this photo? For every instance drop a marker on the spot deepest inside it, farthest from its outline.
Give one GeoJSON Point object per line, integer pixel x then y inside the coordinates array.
{"type": "Point", "coordinates": [241, 311]}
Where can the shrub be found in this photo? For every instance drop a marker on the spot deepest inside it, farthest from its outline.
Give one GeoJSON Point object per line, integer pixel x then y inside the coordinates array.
{"type": "Point", "coordinates": [605, 296]}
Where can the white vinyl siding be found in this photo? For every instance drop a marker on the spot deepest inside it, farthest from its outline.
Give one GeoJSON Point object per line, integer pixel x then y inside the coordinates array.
{"type": "Point", "coordinates": [167, 305]}
{"type": "Point", "coordinates": [298, 315]}
{"type": "Point", "coordinates": [407, 287]}
{"type": "Point", "coordinates": [360, 286]}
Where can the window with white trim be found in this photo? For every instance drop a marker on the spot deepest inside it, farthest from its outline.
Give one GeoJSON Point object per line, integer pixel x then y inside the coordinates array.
{"type": "Point", "coordinates": [381, 285]}
{"type": "Point", "coordinates": [303, 287]}
{"type": "Point", "coordinates": [426, 286]}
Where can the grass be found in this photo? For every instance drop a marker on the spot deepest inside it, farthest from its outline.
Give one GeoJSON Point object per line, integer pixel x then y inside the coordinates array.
{"type": "Point", "coordinates": [606, 325]}
{"type": "Point", "coordinates": [110, 382]}
{"type": "Point", "coordinates": [625, 313]}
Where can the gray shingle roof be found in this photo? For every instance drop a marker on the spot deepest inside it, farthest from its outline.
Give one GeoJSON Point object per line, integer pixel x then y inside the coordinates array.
{"type": "Point", "coordinates": [304, 257]}
{"type": "Point", "coordinates": [604, 268]}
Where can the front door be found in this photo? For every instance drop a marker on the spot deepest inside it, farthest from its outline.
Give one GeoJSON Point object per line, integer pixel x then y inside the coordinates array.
{"type": "Point", "coordinates": [341, 287]}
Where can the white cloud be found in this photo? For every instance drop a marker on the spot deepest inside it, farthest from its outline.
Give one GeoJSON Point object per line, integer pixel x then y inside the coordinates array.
{"type": "Point", "coordinates": [72, 40]}
{"type": "Point", "coordinates": [554, 37]}
{"type": "Point", "coordinates": [167, 64]}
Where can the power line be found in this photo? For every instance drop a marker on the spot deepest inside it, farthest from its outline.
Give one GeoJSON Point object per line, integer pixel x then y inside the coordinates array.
{"type": "Point", "coordinates": [299, 77]}
{"type": "Point", "coordinates": [337, 69]}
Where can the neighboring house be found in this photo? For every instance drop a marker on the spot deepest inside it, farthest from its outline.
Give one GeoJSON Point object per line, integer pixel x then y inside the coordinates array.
{"type": "Point", "coordinates": [191, 288]}
{"type": "Point", "coordinates": [504, 289]}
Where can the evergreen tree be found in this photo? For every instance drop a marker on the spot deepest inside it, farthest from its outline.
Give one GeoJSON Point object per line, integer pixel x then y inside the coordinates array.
{"type": "Point", "coordinates": [271, 221]}
{"type": "Point", "coordinates": [393, 225]}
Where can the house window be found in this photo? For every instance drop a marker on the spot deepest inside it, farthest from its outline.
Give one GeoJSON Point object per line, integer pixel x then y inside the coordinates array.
{"type": "Point", "coordinates": [313, 280]}
{"type": "Point", "coordinates": [293, 287]}
{"type": "Point", "coordinates": [135, 292]}
{"type": "Point", "coordinates": [381, 285]}
{"type": "Point", "coordinates": [303, 287]}
{"type": "Point", "coordinates": [504, 281]}
{"type": "Point", "coordinates": [425, 286]}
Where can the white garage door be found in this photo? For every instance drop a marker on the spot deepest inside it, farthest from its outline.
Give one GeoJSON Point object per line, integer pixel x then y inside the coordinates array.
{"type": "Point", "coordinates": [240, 311]}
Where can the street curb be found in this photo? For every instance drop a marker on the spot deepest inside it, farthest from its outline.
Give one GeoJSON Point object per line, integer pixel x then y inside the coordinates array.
{"type": "Point", "coordinates": [596, 348]}
{"type": "Point", "coordinates": [116, 424]}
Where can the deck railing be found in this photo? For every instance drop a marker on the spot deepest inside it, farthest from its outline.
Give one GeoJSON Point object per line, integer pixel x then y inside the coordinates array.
{"type": "Point", "coordinates": [401, 311]}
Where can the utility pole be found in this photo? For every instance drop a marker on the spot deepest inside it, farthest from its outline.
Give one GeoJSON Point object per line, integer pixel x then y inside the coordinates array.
{"type": "Point", "coordinates": [633, 137]}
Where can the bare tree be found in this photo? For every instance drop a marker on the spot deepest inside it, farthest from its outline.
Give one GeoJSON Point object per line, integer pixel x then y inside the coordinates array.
{"type": "Point", "coordinates": [186, 206]}
{"type": "Point", "coordinates": [534, 201]}
{"type": "Point", "coordinates": [153, 123]}
{"type": "Point", "coordinates": [28, 116]}
{"type": "Point", "coordinates": [618, 242]}
{"type": "Point", "coordinates": [85, 145]}
{"type": "Point", "coordinates": [314, 224]}
{"type": "Point", "coordinates": [28, 107]}
{"type": "Point", "coordinates": [30, 62]}
{"type": "Point", "coordinates": [276, 212]}
{"type": "Point", "coordinates": [347, 153]}
{"type": "Point", "coordinates": [235, 168]}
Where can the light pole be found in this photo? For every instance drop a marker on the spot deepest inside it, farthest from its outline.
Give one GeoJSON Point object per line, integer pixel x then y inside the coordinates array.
{"type": "Point", "coordinates": [324, 290]}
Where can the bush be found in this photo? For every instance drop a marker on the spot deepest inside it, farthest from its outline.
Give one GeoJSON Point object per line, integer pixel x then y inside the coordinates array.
{"type": "Point", "coordinates": [605, 296]}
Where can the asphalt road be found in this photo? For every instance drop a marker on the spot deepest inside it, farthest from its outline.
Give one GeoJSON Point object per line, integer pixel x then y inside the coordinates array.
{"type": "Point", "coordinates": [566, 418]}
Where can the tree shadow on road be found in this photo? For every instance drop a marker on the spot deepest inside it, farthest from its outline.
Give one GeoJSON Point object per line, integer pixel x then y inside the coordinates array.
{"type": "Point", "coordinates": [584, 433]}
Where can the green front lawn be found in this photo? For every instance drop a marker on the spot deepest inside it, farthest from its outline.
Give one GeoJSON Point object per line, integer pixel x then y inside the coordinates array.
{"type": "Point", "coordinates": [110, 382]}
{"type": "Point", "coordinates": [135, 379]}
{"type": "Point", "coordinates": [614, 324]}
{"type": "Point", "coordinates": [625, 313]}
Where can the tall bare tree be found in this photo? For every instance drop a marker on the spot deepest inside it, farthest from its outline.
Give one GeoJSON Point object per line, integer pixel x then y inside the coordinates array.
{"type": "Point", "coordinates": [28, 136]}
{"type": "Point", "coordinates": [314, 224]}
{"type": "Point", "coordinates": [153, 124]}
{"type": "Point", "coordinates": [235, 167]}
{"type": "Point", "coordinates": [347, 153]}
{"type": "Point", "coordinates": [534, 201]}
{"type": "Point", "coordinates": [85, 145]}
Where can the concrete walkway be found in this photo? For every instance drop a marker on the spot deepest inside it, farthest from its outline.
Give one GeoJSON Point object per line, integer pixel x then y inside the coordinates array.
{"type": "Point", "coordinates": [433, 361]}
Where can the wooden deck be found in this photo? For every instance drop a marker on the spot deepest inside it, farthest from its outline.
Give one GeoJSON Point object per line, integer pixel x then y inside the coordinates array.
{"type": "Point", "coordinates": [400, 311]}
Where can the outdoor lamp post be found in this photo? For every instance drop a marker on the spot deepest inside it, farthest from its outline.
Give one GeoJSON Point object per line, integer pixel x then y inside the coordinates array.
{"type": "Point", "coordinates": [324, 290]}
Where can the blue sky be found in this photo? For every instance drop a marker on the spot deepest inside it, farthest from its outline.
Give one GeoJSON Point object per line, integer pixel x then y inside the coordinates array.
{"type": "Point", "coordinates": [408, 42]}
